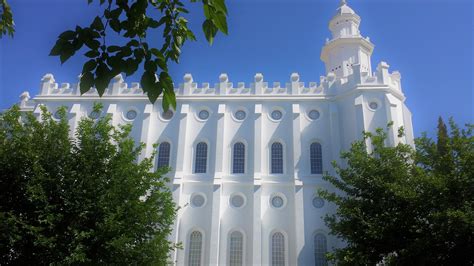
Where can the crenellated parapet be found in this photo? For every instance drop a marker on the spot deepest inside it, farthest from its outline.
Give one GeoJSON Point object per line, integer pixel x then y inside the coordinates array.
{"type": "Point", "coordinates": [328, 85]}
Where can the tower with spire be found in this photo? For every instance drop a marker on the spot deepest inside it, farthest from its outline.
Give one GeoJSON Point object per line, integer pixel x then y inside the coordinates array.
{"type": "Point", "coordinates": [347, 46]}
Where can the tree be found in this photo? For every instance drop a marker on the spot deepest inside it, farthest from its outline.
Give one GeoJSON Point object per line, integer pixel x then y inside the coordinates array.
{"type": "Point", "coordinates": [401, 206]}
{"type": "Point", "coordinates": [131, 20]}
{"type": "Point", "coordinates": [79, 200]}
{"type": "Point", "coordinates": [6, 19]}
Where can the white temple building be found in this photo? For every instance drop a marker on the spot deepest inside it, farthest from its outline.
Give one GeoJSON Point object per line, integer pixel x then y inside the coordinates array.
{"type": "Point", "coordinates": [248, 159]}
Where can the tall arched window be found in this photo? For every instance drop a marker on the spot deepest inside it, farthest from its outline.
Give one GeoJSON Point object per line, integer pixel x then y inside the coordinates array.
{"type": "Point", "coordinates": [316, 158]}
{"type": "Point", "coordinates": [238, 164]}
{"type": "Point", "coordinates": [200, 164]}
{"type": "Point", "coordinates": [320, 249]}
{"type": "Point", "coordinates": [236, 249]}
{"type": "Point", "coordinates": [277, 158]}
{"type": "Point", "coordinates": [195, 249]}
{"type": "Point", "coordinates": [163, 155]}
{"type": "Point", "coordinates": [278, 249]}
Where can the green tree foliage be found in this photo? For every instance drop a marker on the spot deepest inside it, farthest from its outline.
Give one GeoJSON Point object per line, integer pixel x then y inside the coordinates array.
{"type": "Point", "coordinates": [7, 26]}
{"type": "Point", "coordinates": [131, 20]}
{"type": "Point", "coordinates": [401, 206]}
{"type": "Point", "coordinates": [81, 200]}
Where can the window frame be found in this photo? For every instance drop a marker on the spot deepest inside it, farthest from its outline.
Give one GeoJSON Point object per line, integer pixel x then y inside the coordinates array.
{"type": "Point", "coordinates": [233, 157]}
{"type": "Point", "coordinates": [320, 233]}
{"type": "Point", "coordinates": [285, 244]}
{"type": "Point", "coordinates": [244, 244]}
{"type": "Point", "coordinates": [316, 158]}
{"type": "Point", "coordinates": [159, 152]}
{"type": "Point", "coordinates": [195, 152]}
{"type": "Point", "coordinates": [188, 250]}
{"type": "Point", "coordinates": [283, 166]}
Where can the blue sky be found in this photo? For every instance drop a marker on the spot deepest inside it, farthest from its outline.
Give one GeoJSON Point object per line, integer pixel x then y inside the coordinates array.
{"type": "Point", "coordinates": [429, 41]}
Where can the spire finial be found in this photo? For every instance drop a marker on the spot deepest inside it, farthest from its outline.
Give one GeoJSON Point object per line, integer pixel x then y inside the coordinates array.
{"type": "Point", "coordinates": [343, 2]}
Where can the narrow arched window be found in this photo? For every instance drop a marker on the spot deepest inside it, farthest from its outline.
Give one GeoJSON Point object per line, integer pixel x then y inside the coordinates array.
{"type": "Point", "coordinates": [316, 158]}
{"type": "Point", "coordinates": [195, 249]}
{"type": "Point", "coordinates": [277, 158]}
{"type": "Point", "coordinates": [200, 164]}
{"type": "Point", "coordinates": [278, 249]}
{"type": "Point", "coordinates": [238, 164]}
{"type": "Point", "coordinates": [236, 249]}
{"type": "Point", "coordinates": [320, 249]}
{"type": "Point", "coordinates": [163, 155]}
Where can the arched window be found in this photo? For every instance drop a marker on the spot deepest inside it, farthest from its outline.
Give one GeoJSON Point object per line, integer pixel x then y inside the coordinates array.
{"type": "Point", "coordinates": [316, 158]}
{"type": "Point", "coordinates": [320, 249]}
{"type": "Point", "coordinates": [238, 164]}
{"type": "Point", "coordinates": [236, 249]}
{"type": "Point", "coordinates": [201, 158]}
{"type": "Point", "coordinates": [195, 249]}
{"type": "Point", "coordinates": [277, 158]}
{"type": "Point", "coordinates": [278, 249]}
{"type": "Point", "coordinates": [163, 155]}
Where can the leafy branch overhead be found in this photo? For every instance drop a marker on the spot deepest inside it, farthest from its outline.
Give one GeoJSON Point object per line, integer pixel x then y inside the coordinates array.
{"type": "Point", "coordinates": [132, 20]}
{"type": "Point", "coordinates": [6, 19]}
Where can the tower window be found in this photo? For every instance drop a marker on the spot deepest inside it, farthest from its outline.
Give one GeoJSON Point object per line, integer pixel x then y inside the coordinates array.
{"type": "Point", "coordinates": [278, 249]}
{"type": "Point", "coordinates": [277, 158]}
{"type": "Point", "coordinates": [195, 249]}
{"type": "Point", "coordinates": [163, 155]}
{"type": "Point", "coordinates": [200, 165]}
{"type": "Point", "coordinates": [238, 164]}
{"type": "Point", "coordinates": [320, 249]}
{"type": "Point", "coordinates": [316, 158]}
{"type": "Point", "coordinates": [236, 249]}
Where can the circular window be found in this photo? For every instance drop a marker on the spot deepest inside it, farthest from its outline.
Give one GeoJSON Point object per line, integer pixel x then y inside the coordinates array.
{"type": "Point", "coordinates": [314, 114]}
{"type": "Point", "coordinates": [198, 200]}
{"type": "Point", "coordinates": [373, 105]}
{"type": "Point", "coordinates": [318, 202]}
{"type": "Point", "coordinates": [277, 202]}
{"type": "Point", "coordinates": [167, 115]}
{"type": "Point", "coordinates": [131, 114]}
{"type": "Point", "coordinates": [237, 201]}
{"type": "Point", "coordinates": [57, 115]}
{"type": "Point", "coordinates": [94, 114]}
{"type": "Point", "coordinates": [203, 114]}
{"type": "Point", "coordinates": [277, 115]}
{"type": "Point", "coordinates": [240, 115]}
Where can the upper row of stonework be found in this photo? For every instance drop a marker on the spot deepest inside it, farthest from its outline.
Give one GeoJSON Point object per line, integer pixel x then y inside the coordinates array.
{"type": "Point", "coordinates": [329, 84]}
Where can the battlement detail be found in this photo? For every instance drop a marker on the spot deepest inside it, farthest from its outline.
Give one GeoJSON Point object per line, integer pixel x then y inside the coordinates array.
{"type": "Point", "coordinates": [328, 85]}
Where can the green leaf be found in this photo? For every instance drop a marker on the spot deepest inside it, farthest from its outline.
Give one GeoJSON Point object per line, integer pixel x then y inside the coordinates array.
{"type": "Point", "coordinates": [130, 66]}
{"type": "Point", "coordinates": [89, 66]}
{"type": "Point", "coordinates": [97, 24]}
{"type": "Point", "coordinates": [113, 48]}
{"type": "Point", "coordinates": [220, 5]}
{"type": "Point", "coordinates": [68, 35]}
{"type": "Point", "coordinates": [92, 44]}
{"type": "Point", "coordinates": [210, 30]}
{"type": "Point", "coordinates": [115, 25]}
{"type": "Point", "coordinates": [57, 48]}
{"type": "Point", "coordinates": [153, 23]}
{"type": "Point", "coordinates": [148, 81]}
{"type": "Point", "coordinates": [103, 77]}
{"type": "Point", "coordinates": [86, 82]}
{"type": "Point", "coordinates": [92, 54]}
{"type": "Point", "coordinates": [133, 43]}
{"type": "Point", "coordinates": [207, 11]}
{"type": "Point", "coordinates": [150, 66]}
{"type": "Point", "coordinates": [169, 98]}
{"type": "Point", "coordinates": [221, 22]}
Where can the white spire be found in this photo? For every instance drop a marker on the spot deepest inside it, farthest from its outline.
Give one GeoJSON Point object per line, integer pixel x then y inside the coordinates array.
{"type": "Point", "coordinates": [343, 2]}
